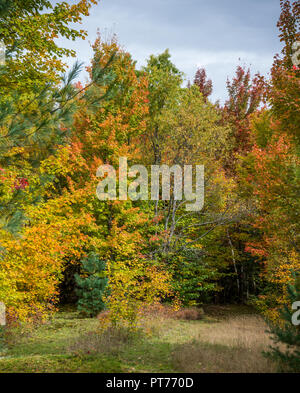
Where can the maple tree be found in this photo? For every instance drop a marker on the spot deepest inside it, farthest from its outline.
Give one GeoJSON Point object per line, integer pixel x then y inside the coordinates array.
{"type": "Point", "coordinates": [115, 230]}
{"type": "Point", "coordinates": [242, 246]}
{"type": "Point", "coordinates": [29, 29]}
{"type": "Point", "coordinates": [205, 85]}
{"type": "Point", "coordinates": [271, 172]}
{"type": "Point", "coordinates": [245, 97]}
{"type": "Point", "coordinates": [288, 25]}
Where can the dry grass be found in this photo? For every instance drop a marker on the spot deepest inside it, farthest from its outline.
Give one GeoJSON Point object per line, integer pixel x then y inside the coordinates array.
{"type": "Point", "coordinates": [169, 312]}
{"type": "Point", "coordinates": [227, 339]}
{"type": "Point", "coordinates": [189, 314]}
{"type": "Point", "coordinates": [245, 331]}
{"type": "Point", "coordinates": [166, 312]}
{"type": "Point", "coordinates": [160, 320]}
{"type": "Point", "coordinates": [206, 358]}
{"type": "Point", "coordinates": [232, 345]}
{"type": "Point", "coordinates": [221, 341]}
{"type": "Point", "coordinates": [109, 341]}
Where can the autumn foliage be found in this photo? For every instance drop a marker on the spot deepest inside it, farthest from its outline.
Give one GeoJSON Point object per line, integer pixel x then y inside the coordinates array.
{"type": "Point", "coordinates": [243, 246]}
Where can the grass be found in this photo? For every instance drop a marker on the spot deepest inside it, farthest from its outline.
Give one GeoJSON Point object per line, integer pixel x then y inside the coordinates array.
{"type": "Point", "coordinates": [226, 339]}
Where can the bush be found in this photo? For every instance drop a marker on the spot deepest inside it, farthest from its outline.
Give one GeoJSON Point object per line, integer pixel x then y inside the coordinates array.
{"type": "Point", "coordinates": [192, 278]}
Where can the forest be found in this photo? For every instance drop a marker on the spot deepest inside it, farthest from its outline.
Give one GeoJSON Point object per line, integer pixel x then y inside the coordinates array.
{"type": "Point", "coordinates": [142, 285]}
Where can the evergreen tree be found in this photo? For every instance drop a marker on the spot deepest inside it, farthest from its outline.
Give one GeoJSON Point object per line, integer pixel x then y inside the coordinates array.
{"type": "Point", "coordinates": [32, 128]}
{"type": "Point", "coordinates": [289, 333]}
{"type": "Point", "coordinates": [92, 286]}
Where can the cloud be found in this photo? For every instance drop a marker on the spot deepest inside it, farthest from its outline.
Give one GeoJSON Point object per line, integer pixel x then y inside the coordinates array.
{"type": "Point", "coordinates": [214, 34]}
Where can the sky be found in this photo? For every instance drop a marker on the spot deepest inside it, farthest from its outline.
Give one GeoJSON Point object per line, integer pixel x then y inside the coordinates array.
{"type": "Point", "coordinates": [215, 34]}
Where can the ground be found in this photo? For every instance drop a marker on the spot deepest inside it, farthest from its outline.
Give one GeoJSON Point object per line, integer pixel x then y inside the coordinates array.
{"type": "Point", "coordinates": [226, 339]}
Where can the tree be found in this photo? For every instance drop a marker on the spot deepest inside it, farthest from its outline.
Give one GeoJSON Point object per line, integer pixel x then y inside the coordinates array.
{"type": "Point", "coordinates": [164, 84]}
{"type": "Point", "coordinates": [91, 286]}
{"type": "Point", "coordinates": [289, 333]}
{"type": "Point", "coordinates": [204, 84]}
{"type": "Point", "coordinates": [245, 97]}
{"type": "Point", "coordinates": [185, 129]}
{"type": "Point", "coordinates": [288, 25]}
{"type": "Point", "coordinates": [116, 230]}
{"type": "Point", "coordinates": [29, 30]}
{"type": "Point", "coordinates": [270, 174]}
{"type": "Point", "coordinates": [33, 127]}
{"type": "Point", "coordinates": [102, 136]}
{"type": "Point", "coordinates": [246, 94]}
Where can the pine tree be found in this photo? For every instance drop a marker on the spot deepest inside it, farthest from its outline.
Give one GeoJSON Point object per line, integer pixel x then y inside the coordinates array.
{"type": "Point", "coordinates": [92, 286]}
{"type": "Point", "coordinates": [36, 103]}
{"type": "Point", "coordinates": [289, 333]}
{"type": "Point", "coordinates": [32, 128]}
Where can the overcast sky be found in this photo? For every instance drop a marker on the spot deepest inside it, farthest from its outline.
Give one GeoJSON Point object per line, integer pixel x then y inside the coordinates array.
{"type": "Point", "coordinates": [214, 34]}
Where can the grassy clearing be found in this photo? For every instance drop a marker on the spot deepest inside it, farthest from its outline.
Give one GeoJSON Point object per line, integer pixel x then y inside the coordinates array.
{"type": "Point", "coordinates": [227, 339]}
